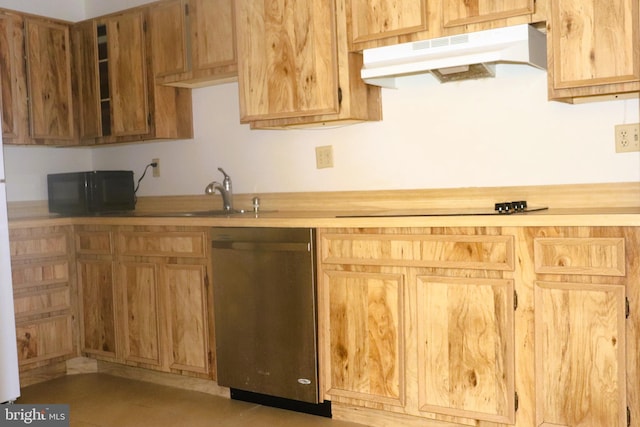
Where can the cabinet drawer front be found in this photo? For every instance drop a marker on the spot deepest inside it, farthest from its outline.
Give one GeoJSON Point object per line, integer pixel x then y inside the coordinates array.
{"type": "Point", "coordinates": [590, 256]}
{"type": "Point", "coordinates": [44, 339]}
{"type": "Point", "coordinates": [94, 242]}
{"type": "Point", "coordinates": [51, 245]}
{"type": "Point", "coordinates": [455, 251]}
{"type": "Point", "coordinates": [177, 244]}
{"type": "Point", "coordinates": [37, 302]}
{"type": "Point", "coordinates": [31, 275]}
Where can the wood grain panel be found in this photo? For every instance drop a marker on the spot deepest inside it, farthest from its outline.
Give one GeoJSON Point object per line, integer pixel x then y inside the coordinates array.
{"type": "Point", "coordinates": [186, 314]}
{"type": "Point", "coordinates": [85, 42]}
{"type": "Point", "coordinates": [127, 74]}
{"type": "Point", "coordinates": [14, 118]}
{"type": "Point", "coordinates": [45, 245]}
{"type": "Point", "coordinates": [183, 244]}
{"type": "Point", "coordinates": [40, 274]}
{"type": "Point", "coordinates": [584, 256]}
{"type": "Point", "coordinates": [42, 301]}
{"type": "Point", "coordinates": [44, 339]}
{"type": "Point", "coordinates": [287, 59]}
{"type": "Point", "coordinates": [141, 321]}
{"type": "Point", "coordinates": [450, 251]}
{"type": "Point", "coordinates": [48, 53]}
{"type": "Point", "coordinates": [582, 33]}
{"type": "Point", "coordinates": [464, 12]}
{"type": "Point", "coordinates": [94, 242]}
{"type": "Point", "coordinates": [580, 355]}
{"type": "Point", "coordinates": [371, 20]}
{"type": "Point", "coordinates": [366, 348]}
{"type": "Point", "coordinates": [466, 347]}
{"type": "Point", "coordinates": [97, 295]}
{"type": "Point", "coordinates": [169, 37]}
{"type": "Point", "coordinates": [213, 34]}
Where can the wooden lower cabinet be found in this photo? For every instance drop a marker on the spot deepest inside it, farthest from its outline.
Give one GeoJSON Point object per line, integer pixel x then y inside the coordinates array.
{"type": "Point", "coordinates": [481, 326]}
{"type": "Point", "coordinates": [465, 330]}
{"type": "Point", "coordinates": [145, 297]}
{"type": "Point", "coordinates": [44, 300]}
{"type": "Point", "coordinates": [95, 254]}
{"type": "Point", "coordinates": [366, 343]}
{"type": "Point", "coordinates": [587, 291]}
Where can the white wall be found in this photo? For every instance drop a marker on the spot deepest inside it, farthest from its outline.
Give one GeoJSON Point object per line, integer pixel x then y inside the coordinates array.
{"type": "Point", "coordinates": [490, 132]}
{"type": "Point", "coordinates": [69, 10]}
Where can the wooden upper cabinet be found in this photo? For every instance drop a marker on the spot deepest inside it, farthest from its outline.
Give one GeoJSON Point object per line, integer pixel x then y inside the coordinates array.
{"type": "Point", "coordinates": [35, 76]}
{"type": "Point", "coordinates": [127, 73]}
{"type": "Point", "coordinates": [287, 59]}
{"type": "Point", "coordinates": [593, 49]}
{"type": "Point", "coordinates": [193, 42]}
{"type": "Point", "coordinates": [48, 64]}
{"type": "Point", "coordinates": [385, 22]}
{"type": "Point", "coordinates": [464, 12]}
{"type": "Point", "coordinates": [12, 78]}
{"type": "Point", "coordinates": [294, 68]}
{"type": "Point", "coordinates": [119, 100]}
{"type": "Point", "coordinates": [372, 20]}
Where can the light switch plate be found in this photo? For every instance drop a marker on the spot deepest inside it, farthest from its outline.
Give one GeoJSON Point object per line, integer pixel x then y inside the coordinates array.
{"type": "Point", "coordinates": [324, 157]}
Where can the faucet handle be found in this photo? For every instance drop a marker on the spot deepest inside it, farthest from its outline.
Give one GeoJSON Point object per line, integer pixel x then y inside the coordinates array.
{"type": "Point", "coordinates": [226, 177]}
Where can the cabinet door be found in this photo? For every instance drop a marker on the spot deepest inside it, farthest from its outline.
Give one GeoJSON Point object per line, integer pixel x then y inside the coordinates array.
{"type": "Point", "coordinates": [365, 336]}
{"type": "Point", "coordinates": [287, 59]}
{"type": "Point", "coordinates": [12, 79]}
{"type": "Point", "coordinates": [48, 58]}
{"type": "Point", "coordinates": [185, 312]}
{"type": "Point", "coordinates": [85, 43]}
{"type": "Point", "coordinates": [127, 74]}
{"type": "Point", "coordinates": [97, 296]}
{"type": "Point", "coordinates": [372, 20]}
{"type": "Point", "coordinates": [466, 347]}
{"type": "Point", "coordinates": [593, 48]}
{"type": "Point", "coordinates": [213, 34]}
{"type": "Point", "coordinates": [170, 37]}
{"type": "Point", "coordinates": [464, 12]}
{"type": "Point", "coordinates": [193, 42]}
{"type": "Point", "coordinates": [580, 354]}
{"type": "Point", "coordinates": [139, 282]}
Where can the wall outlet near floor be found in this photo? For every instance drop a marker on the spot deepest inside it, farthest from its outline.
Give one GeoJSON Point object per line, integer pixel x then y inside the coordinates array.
{"type": "Point", "coordinates": [156, 168]}
{"type": "Point", "coordinates": [627, 138]}
{"type": "Point", "coordinates": [324, 157]}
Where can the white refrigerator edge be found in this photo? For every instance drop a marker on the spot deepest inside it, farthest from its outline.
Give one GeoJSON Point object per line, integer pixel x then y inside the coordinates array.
{"type": "Point", "coordinates": [9, 377]}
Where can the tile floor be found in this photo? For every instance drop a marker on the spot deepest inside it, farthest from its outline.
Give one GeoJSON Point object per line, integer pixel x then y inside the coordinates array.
{"type": "Point", "coordinates": [104, 400]}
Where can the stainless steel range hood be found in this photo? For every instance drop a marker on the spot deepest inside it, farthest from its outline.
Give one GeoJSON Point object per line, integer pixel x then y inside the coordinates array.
{"type": "Point", "coordinates": [458, 57]}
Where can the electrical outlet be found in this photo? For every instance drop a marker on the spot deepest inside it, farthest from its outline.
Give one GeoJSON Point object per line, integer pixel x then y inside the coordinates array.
{"type": "Point", "coordinates": [156, 168]}
{"type": "Point", "coordinates": [627, 138]}
{"type": "Point", "coordinates": [324, 157]}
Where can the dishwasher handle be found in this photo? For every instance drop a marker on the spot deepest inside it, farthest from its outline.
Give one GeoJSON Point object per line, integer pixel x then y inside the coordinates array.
{"type": "Point", "coordinates": [261, 246]}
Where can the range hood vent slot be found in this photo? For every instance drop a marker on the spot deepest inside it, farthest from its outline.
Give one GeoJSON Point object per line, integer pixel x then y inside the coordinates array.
{"type": "Point", "coordinates": [457, 57]}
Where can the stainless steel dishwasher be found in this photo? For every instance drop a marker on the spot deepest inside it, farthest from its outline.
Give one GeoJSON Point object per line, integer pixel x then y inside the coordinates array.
{"type": "Point", "coordinates": [265, 311]}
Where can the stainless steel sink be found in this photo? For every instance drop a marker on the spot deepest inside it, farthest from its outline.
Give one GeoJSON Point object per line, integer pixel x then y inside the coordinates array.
{"type": "Point", "coordinates": [208, 213]}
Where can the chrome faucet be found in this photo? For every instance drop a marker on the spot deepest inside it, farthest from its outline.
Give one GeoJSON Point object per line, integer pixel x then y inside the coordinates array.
{"type": "Point", "coordinates": [224, 189]}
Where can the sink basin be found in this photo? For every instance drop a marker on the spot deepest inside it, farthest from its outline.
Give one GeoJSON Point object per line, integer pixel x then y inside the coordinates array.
{"type": "Point", "coordinates": [213, 212]}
